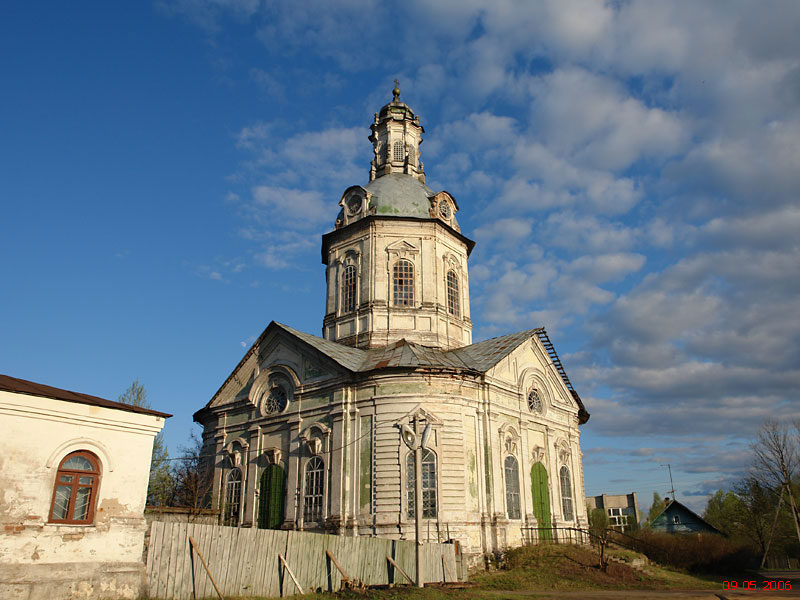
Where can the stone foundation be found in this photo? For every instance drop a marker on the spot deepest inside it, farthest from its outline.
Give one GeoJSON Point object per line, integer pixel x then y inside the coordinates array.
{"type": "Point", "coordinates": [72, 581]}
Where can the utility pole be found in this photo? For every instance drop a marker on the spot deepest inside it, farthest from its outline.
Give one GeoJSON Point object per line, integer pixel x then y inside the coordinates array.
{"type": "Point", "coordinates": [410, 438]}
{"type": "Point", "coordinates": [671, 485]}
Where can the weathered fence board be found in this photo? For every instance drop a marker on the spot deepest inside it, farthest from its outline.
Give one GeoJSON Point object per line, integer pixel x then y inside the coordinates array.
{"type": "Point", "coordinates": [244, 562]}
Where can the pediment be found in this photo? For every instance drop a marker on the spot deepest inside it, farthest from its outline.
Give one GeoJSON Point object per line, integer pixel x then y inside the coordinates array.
{"type": "Point", "coordinates": [436, 198]}
{"type": "Point", "coordinates": [421, 414]}
{"type": "Point", "coordinates": [401, 246]}
{"type": "Point", "coordinates": [276, 351]}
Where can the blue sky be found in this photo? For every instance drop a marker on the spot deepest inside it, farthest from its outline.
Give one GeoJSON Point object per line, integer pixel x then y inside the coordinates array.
{"type": "Point", "coordinates": [628, 170]}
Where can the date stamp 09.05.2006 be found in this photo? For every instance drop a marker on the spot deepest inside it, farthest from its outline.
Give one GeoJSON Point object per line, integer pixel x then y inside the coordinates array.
{"type": "Point", "coordinates": [766, 585]}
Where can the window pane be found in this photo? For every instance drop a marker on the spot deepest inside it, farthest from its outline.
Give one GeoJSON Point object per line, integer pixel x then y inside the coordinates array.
{"type": "Point", "coordinates": [566, 494]}
{"type": "Point", "coordinates": [65, 479]}
{"type": "Point", "coordinates": [61, 502]}
{"type": "Point", "coordinates": [452, 294]}
{"type": "Point", "coordinates": [314, 485]}
{"type": "Point", "coordinates": [78, 463]}
{"type": "Point", "coordinates": [512, 488]}
{"type": "Point", "coordinates": [429, 504]}
{"type": "Point", "coordinates": [349, 289]}
{"type": "Point", "coordinates": [81, 512]}
{"type": "Point", "coordinates": [85, 480]}
{"type": "Point", "coordinates": [233, 494]}
{"type": "Point", "coordinates": [403, 283]}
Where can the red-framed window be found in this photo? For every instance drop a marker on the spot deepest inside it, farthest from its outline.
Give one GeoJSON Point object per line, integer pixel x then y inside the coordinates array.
{"type": "Point", "coordinates": [75, 489]}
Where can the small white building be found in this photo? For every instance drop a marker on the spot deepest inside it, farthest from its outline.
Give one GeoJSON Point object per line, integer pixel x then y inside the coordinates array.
{"type": "Point", "coordinates": [305, 429]}
{"type": "Point", "coordinates": [73, 482]}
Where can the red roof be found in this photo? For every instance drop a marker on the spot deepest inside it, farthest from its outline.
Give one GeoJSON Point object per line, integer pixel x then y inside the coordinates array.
{"type": "Point", "coordinates": [13, 384]}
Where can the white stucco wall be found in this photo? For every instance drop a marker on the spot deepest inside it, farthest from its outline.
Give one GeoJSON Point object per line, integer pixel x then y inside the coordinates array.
{"type": "Point", "coordinates": [38, 434]}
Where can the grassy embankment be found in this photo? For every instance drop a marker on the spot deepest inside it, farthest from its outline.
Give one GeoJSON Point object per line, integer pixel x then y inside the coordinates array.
{"type": "Point", "coordinates": [541, 569]}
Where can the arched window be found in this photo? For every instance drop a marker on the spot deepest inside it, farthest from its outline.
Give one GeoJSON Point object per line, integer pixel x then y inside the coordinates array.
{"type": "Point", "coordinates": [403, 283]}
{"type": "Point", "coordinates": [452, 294]}
{"type": "Point", "coordinates": [312, 499]}
{"type": "Point", "coordinates": [428, 485]}
{"type": "Point", "coordinates": [512, 488]}
{"type": "Point", "coordinates": [566, 495]}
{"type": "Point", "coordinates": [349, 289]}
{"type": "Point", "coordinates": [233, 497]}
{"type": "Point", "coordinates": [75, 492]}
{"type": "Point", "coordinates": [398, 151]}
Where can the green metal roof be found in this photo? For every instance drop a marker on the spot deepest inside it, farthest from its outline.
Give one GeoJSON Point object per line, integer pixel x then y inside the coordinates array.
{"type": "Point", "coordinates": [400, 195]}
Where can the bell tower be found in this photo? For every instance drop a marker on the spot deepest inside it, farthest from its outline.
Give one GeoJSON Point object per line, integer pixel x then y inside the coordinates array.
{"type": "Point", "coordinates": [396, 137]}
{"type": "Point", "coordinates": [396, 259]}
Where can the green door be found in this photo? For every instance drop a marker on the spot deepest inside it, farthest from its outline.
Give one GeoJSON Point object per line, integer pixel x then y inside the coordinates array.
{"type": "Point", "coordinates": [273, 491]}
{"type": "Point", "coordinates": [541, 500]}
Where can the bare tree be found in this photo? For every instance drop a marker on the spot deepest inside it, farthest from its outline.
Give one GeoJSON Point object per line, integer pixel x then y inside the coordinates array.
{"type": "Point", "coordinates": [194, 476]}
{"type": "Point", "coordinates": [159, 488]}
{"type": "Point", "coordinates": [775, 459]}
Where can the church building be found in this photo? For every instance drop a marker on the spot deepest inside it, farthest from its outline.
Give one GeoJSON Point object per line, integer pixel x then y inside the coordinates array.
{"type": "Point", "coordinates": [305, 432]}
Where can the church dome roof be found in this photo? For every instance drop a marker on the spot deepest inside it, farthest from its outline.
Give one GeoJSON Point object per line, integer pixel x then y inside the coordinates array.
{"type": "Point", "coordinates": [400, 195]}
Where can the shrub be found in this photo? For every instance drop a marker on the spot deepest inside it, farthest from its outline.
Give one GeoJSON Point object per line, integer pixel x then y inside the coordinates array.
{"type": "Point", "coordinates": [699, 552]}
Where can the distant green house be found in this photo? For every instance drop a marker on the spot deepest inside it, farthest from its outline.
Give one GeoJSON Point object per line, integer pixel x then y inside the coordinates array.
{"type": "Point", "coordinates": [677, 518]}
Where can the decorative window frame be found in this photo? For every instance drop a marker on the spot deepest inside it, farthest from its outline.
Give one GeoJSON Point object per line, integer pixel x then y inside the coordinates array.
{"type": "Point", "coordinates": [94, 487]}
{"type": "Point", "coordinates": [236, 452]}
{"type": "Point", "coordinates": [365, 208]}
{"type": "Point", "coordinates": [451, 263]}
{"type": "Point", "coordinates": [563, 452]}
{"type": "Point", "coordinates": [323, 513]}
{"type": "Point", "coordinates": [510, 443]}
{"type": "Point", "coordinates": [435, 209]}
{"type": "Point", "coordinates": [270, 377]}
{"type": "Point", "coordinates": [437, 477]}
{"type": "Point", "coordinates": [351, 258]}
{"type": "Point", "coordinates": [395, 252]}
{"type": "Point", "coordinates": [316, 443]}
{"type": "Point", "coordinates": [419, 413]}
{"type": "Point", "coordinates": [571, 496]}
{"type": "Point", "coordinates": [532, 379]}
{"type": "Point", "coordinates": [518, 491]}
{"type": "Point", "coordinates": [227, 484]}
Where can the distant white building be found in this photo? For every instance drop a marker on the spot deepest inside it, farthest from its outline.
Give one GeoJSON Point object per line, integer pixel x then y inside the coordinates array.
{"type": "Point", "coordinates": [620, 509]}
{"type": "Point", "coordinates": [304, 430]}
{"type": "Point", "coordinates": [73, 484]}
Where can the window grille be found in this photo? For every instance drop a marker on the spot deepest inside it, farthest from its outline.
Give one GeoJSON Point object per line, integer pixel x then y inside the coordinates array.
{"type": "Point", "coordinates": [566, 495]}
{"type": "Point", "coordinates": [233, 497]}
{"type": "Point", "coordinates": [428, 485]}
{"type": "Point", "coordinates": [349, 289]}
{"type": "Point", "coordinates": [276, 400]}
{"type": "Point", "coordinates": [411, 156]}
{"type": "Point", "coordinates": [452, 294]}
{"type": "Point", "coordinates": [535, 402]}
{"type": "Point", "coordinates": [403, 282]}
{"type": "Point", "coordinates": [398, 151]}
{"type": "Point", "coordinates": [312, 499]}
{"type": "Point", "coordinates": [75, 493]}
{"type": "Point", "coordinates": [512, 488]}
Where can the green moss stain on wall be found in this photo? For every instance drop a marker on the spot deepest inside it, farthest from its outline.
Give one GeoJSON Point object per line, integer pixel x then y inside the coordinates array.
{"type": "Point", "coordinates": [238, 418]}
{"type": "Point", "coordinates": [487, 457]}
{"type": "Point", "coordinates": [401, 388]}
{"type": "Point", "coordinates": [471, 462]}
{"type": "Point", "coordinates": [365, 466]}
{"type": "Point", "coordinates": [316, 401]}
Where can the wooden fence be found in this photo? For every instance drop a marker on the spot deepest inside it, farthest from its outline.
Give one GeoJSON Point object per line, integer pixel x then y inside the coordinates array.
{"type": "Point", "coordinates": [252, 562]}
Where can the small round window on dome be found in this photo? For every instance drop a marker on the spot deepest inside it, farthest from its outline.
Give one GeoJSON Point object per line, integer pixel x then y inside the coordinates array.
{"type": "Point", "coordinates": [275, 401]}
{"type": "Point", "coordinates": [535, 403]}
{"type": "Point", "coordinates": [444, 210]}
